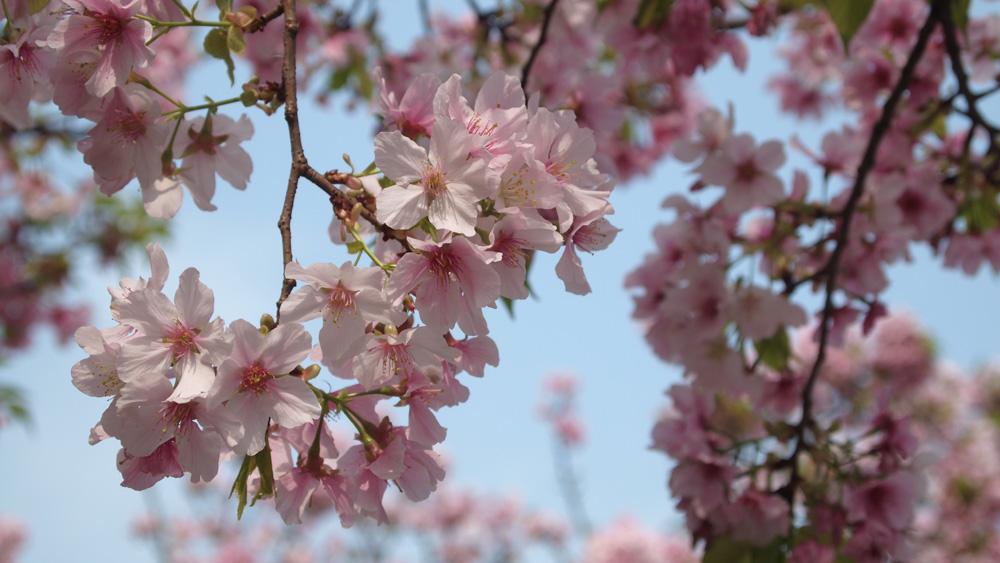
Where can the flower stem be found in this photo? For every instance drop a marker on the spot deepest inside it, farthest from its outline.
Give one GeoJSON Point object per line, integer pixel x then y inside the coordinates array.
{"type": "Point", "coordinates": [184, 10]}
{"type": "Point", "coordinates": [193, 23]}
{"type": "Point", "coordinates": [368, 251]}
{"type": "Point", "coordinates": [8, 28]}
{"type": "Point", "coordinates": [183, 109]}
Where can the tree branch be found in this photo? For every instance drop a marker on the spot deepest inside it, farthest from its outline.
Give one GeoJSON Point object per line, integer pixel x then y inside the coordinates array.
{"type": "Point", "coordinates": [261, 21]}
{"type": "Point", "coordinates": [425, 16]}
{"type": "Point", "coordinates": [943, 13]}
{"type": "Point", "coordinates": [288, 90]}
{"type": "Point", "coordinates": [526, 71]}
{"type": "Point", "coordinates": [879, 130]}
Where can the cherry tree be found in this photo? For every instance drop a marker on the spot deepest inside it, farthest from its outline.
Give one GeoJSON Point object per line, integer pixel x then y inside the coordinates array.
{"type": "Point", "coordinates": [797, 432]}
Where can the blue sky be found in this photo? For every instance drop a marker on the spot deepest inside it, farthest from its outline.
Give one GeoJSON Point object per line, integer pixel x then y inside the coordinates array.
{"type": "Point", "coordinates": [68, 493]}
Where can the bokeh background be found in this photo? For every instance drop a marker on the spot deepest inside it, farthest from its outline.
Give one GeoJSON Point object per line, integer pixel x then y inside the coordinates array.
{"type": "Point", "coordinates": [68, 493]}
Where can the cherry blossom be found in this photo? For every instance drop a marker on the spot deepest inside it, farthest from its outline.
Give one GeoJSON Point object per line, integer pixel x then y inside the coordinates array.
{"type": "Point", "coordinates": [253, 385]}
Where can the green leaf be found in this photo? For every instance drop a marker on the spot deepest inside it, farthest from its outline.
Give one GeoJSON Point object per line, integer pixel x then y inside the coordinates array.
{"type": "Point", "coordinates": [249, 97]}
{"type": "Point", "coordinates": [980, 213]}
{"type": "Point", "coordinates": [781, 430]}
{"type": "Point", "coordinates": [339, 78]}
{"type": "Point", "coordinates": [848, 15]}
{"type": "Point", "coordinates": [365, 83]}
{"type": "Point", "coordinates": [960, 13]}
{"type": "Point", "coordinates": [240, 485]}
{"type": "Point", "coordinates": [508, 304]}
{"type": "Point", "coordinates": [225, 6]}
{"type": "Point", "coordinates": [266, 472]}
{"type": "Point", "coordinates": [727, 550]}
{"type": "Point", "coordinates": [355, 247]}
{"type": "Point", "coordinates": [235, 41]}
{"type": "Point", "coordinates": [35, 6]}
{"type": "Point", "coordinates": [793, 5]}
{"type": "Point", "coordinates": [775, 350]}
{"type": "Point", "coordinates": [13, 401]}
{"type": "Point", "coordinates": [652, 13]}
{"type": "Point", "coordinates": [216, 45]}
{"type": "Point", "coordinates": [771, 553]}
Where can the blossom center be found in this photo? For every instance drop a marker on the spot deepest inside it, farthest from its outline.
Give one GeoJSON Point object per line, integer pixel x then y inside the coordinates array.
{"type": "Point", "coordinates": [746, 171]}
{"type": "Point", "coordinates": [513, 251]}
{"type": "Point", "coordinates": [588, 238]}
{"type": "Point", "coordinates": [255, 379]}
{"type": "Point", "coordinates": [127, 126]}
{"type": "Point", "coordinates": [445, 266]}
{"type": "Point", "coordinates": [393, 357]}
{"type": "Point", "coordinates": [106, 27]}
{"type": "Point", "coordinates": [434, 181]}
{"type": "Point", "coordinates": [557, 167]}
{"type": "Point", "coordinates": [518, 193]}
{"type": "Point", "coordinates": [175, 415]}
{"type": "Point", "coordinates": [181, 340]}
{"type": "Point", "coordinates": [482, 127]}
{"type": "Point", "coordinates": [340, 299]}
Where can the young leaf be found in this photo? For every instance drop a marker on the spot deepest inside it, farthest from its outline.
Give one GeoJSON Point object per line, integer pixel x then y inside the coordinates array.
{"type": "Point", "coordinates": [960, 13]}
{"type": "Point", "coordinates": [35, 6]}
{"type": "Point", "coordinates": [775, 351]}
{"type": "Point", "coordinates": [652, 13]}
{"type": "Point", "coordinates": [216, 45]}
{"type": "Point", "coordinates": [848, 15]}
{"type": "Point", "coordinates": [266, 472]}
{"type": "Point", "coordinates": [235, 41]}
{"type": "Point", "coordinates": [726, 550]}
{"type": "Point", "coordinates": [240, 485]}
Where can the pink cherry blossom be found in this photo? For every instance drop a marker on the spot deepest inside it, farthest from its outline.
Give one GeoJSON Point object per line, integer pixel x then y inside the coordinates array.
{"type": "Point", "coordinates": [885, 502]}
{"type": "Point", "coordinates": [746, 171]}
{"type": "Point", "coordinates": [515, 237]}
{"type": "Point", "coordinates": [589, 233]}
{"type": "Point", "coordinates": [413, 114]}
{"type": "Point", "coordinates": [24, 64]}
{"type": "Point", "coordinates": [212, 147]}
{"type": "Point", "coordinates": [452, 280]}
{"type": "Point", "coordinates": [387, 356]}
{"type": "Point", "coordinates": [253, 385]}
{"type": "Point", "coordinates": [110, 27]}
{"type": "Point", "coordinates": [183, 336]}
{"type": "Point", "coordinates": [443, 184]}
{"type": "Point", "coordinates": [499, 114]}
{"type": "Point", "coordinates": [347, 298]}
{"type": "Point", "coordinates": [127, 142]}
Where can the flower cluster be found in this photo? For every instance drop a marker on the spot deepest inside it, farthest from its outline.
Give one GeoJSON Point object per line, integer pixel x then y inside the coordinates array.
{"type": "Point", "coordinates": [803, 442]}
{"type": "Point", "coordinates": [631, 84]}
{"type": "Point", "coordinates": [93, 60]}
{"type": "Point", "coordinates": [491, 184]}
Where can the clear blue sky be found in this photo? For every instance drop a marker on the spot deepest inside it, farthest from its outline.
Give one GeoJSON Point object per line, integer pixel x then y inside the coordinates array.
{"type": "Point", "coordinates": [68, 493]}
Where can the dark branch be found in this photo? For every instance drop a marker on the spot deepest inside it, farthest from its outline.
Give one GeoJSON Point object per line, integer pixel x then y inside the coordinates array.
{"type": "Point", "coordinates": [526, 72]}
{"type": "Point", "coordinates": [832, 267]}
{"type": "Point", "coordinates": [261, 21]}
{"type": "Point", "coordinates": [425, 16]}
{"type": "Point", "coordinates": [943, 12]}
{"type": "Point", "coordinates": [288, 90]}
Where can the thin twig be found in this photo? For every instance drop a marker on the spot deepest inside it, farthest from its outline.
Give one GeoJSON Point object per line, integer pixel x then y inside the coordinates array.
{"type": "Point", "coordinates": [474, 6]}
{"type": "Point", "coordinates": [343, 202]}
{"type": "Point", "coordinates": [261, 21]}
{"type": "Point", "coordinates": [833, 266]}
{"type": "Point", "coordinates": [958, 69]}
{"type": "Point", "coordinates": [526, 72]}
{"type": "Point", "coordinates": [425, 16]}
{"type": "Point", "coordinates": [288, 90]}
{"type": "Point", "coordinates": [570, 488]}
